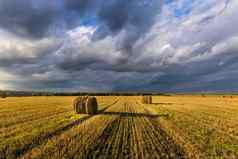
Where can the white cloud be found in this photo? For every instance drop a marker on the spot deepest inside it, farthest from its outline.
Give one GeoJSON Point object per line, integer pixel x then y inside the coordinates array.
{"type": "Point", "coordinates": [183, 40]}
{"type": "Point", "coordinates": [192, 39]}
{"type": "Point", "coordinates": [5, 76]}
{"type": "Point", "coordinates": [226, 47]}
{"type": "Point", "coordinates": [80, 41]}
{"type": "Point", "coordinates": [12, 47]}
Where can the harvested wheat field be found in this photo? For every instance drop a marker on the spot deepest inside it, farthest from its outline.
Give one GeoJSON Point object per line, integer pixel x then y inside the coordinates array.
{"type": "Point", "coordinates": [174, 127]}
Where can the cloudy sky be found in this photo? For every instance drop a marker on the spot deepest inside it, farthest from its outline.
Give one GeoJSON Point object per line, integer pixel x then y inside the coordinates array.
{"type": "Point", "coordinates": [119, 45]}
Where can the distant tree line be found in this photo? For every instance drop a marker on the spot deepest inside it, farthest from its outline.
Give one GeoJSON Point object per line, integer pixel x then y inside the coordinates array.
{"type": "Point", "coordinates": [5, 94]}
{"type": "Point", "coordinates": [106, 94]}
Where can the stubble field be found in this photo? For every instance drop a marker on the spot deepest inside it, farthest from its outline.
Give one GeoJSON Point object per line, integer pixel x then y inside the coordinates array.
{"type": "Point", "coordinates": [172, 127]}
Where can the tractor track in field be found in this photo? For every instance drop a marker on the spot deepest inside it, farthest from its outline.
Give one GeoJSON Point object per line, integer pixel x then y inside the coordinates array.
{"type": "Point", "coordinates": [39, 140]}
{"type": "Point", "coordinates": [124, 127]}
{"type": "Point", "coordinates": [74, 142]}
{"type": "Point", "coordinates": [135, 134]}
{"type": "Point", "coordinates": [127, 130]}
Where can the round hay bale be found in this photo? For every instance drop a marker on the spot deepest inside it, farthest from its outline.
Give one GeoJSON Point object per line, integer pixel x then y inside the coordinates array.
{"type": "Point", "coordinates": [91, 105]}
{"type": "Point", "coordinates": [83, 104]}
{"type": "Point", "coordinates": [79, 105]}
{"type": "Point", "coordinates": [144, 99]}
{"type": "Point", "coordinates": [75, 103]}
{"type": "Point", "coordinates": [149, 98]}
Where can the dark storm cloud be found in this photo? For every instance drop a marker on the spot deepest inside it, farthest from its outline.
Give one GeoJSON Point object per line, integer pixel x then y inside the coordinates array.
{"type": "Point", "coordinates": [119, 44]}
{"type": "Point", "coordinates": [32, 18]}
{"type": "Point", "coordinates": [81, 6]}
{"type": "Point", "coordinates": [211, 17]}
{"type": "Point", "coordinates": [135, 17]}
{"type": "Point", "coordinates": [26, 17]}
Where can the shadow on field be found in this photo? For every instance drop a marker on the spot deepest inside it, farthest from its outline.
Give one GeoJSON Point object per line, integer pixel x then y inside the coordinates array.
{"type": "Point", "coordinates": [157, 143]}
{"type": "Point", "coordinates": [79, 121]}
{"type": "Point", "coordinates": [162, 103]}
{"type": "Point", "coordinates": [46, 136]}
{"type": "Point", "coordinates": [128, 114]}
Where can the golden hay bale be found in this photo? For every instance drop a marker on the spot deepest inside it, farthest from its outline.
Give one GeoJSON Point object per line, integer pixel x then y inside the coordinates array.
{"type": "Point", "coordinates": [146, 99]}
{"type": "Point", "coordinates": [149, 98]}
{"type": "Point", "coordinates": [75, 103]}
{"type": "Point", "coordinates": [91, 105]}
{"type": "Point", "coordinates": [143, 100]}
{"type": "Point", "coordinates": [79, 105]}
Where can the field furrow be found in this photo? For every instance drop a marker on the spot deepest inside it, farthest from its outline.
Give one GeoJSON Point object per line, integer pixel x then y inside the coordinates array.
{"type": "Point", "coordinates": [172, 127]}
{"type": "Point", "coordinates": [17, 139]}
{"type": "Point", "coordinates": [75, 141]}
{"type": "Point", "coordinates": [135, 134]}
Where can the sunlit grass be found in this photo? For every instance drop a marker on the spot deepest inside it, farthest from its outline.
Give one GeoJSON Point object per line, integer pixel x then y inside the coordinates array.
{"type": "Point", "coordinates": [209, 124]}
{"type": "Point", "coordinates": [172, 127]}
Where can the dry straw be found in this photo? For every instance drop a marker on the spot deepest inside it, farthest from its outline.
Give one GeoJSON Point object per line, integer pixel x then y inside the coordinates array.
{"type": "Point", "coordinates": [84, 105]}
{"type": "Point", "coordinates": [91, 105]}
{"type": "Point", "coordinates": [79, 105]}
{"type": "Point", "coordinates": [147, 100]}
